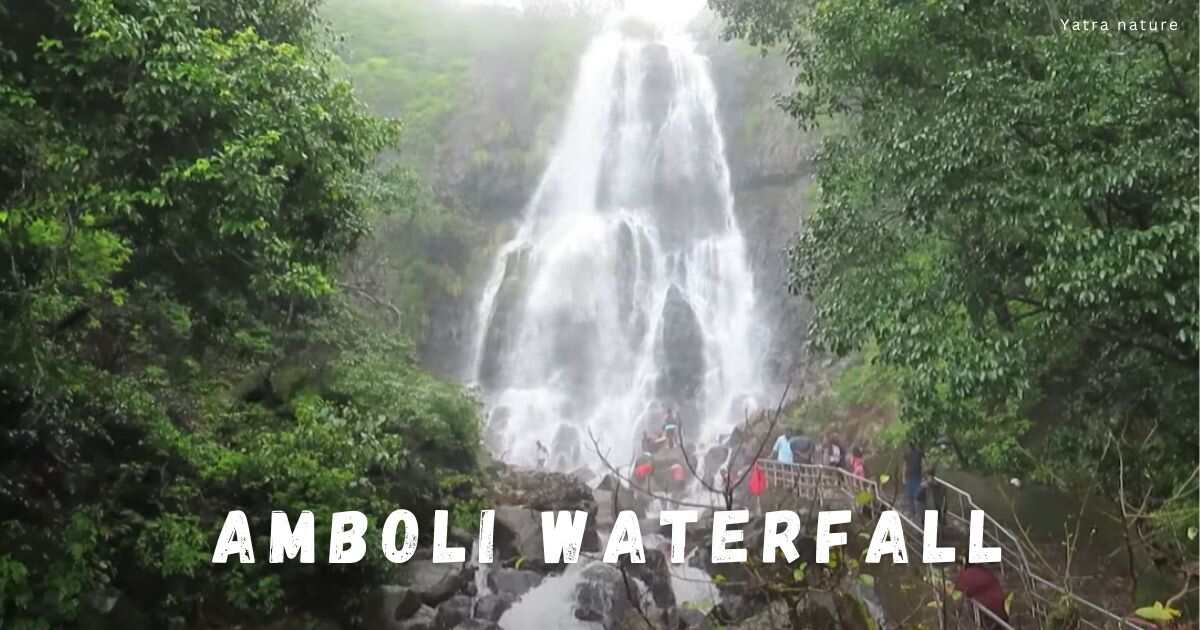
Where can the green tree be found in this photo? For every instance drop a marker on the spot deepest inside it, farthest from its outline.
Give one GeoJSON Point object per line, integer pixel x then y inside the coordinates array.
{"type": "Point", "coordinates": [180, 182]}
{"type": "Point", "coordinates": [1009, 211]}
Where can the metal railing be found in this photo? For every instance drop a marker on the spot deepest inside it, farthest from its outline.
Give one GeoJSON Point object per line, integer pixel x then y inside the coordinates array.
{"type": "Point", "coordinates": [812, 481]}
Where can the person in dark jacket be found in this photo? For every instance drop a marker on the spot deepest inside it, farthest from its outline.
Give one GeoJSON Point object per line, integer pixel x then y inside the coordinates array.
{"type": "Point", "coordinates": [802, 449]}
{"type": "Point", "coordinates": [931, 495]}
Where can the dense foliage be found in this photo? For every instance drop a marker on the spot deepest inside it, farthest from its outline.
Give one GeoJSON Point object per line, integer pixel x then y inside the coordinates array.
{"type": "Point", "coordinates": [1008, 210]}
{"type": "Point", "coordinates": [179, 184]}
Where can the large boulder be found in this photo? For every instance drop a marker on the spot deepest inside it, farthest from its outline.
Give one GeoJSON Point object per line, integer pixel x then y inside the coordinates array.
{"type": "Point", "coordinates": [601, 596]}
{"type": "Point", "coordinates": [492, 606]}
{"type": "Point", "coordinates": [655, 573]}
{"type": "Point", "coordinates": [423, 619]}
{"type": "Point", "coordinates": [520, 496]}
{"type": "Point", "coordinates": [681, 352]}
{"type": "Point", "coordinates": [435, 583]}
{"type": "Point", "coordinates": [518, 535]}
{"type": "Point", "coordinates": [452, 612]}
{"type": "Point", "coordinates": [512, 582]}
{"type": "Point", "coordinates": [605, 515]}
{"type": "Point", "coordinates": [387, 605]}
{"type": "Point", "coordinates": [608, 482]}
{"type": "Point", "coordinates": [542, 491]}
{"type": "Point", "coordinates": [688, 618]}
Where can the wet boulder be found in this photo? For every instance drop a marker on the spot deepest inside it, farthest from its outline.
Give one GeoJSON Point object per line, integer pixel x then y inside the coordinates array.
{"type": "Point", "coordinates": [452, 612]}
{"type": "Point", "coordinates": [387, 605]}
{"type": "Point", "coordinates": [681, 351]}
{"type": "Point", "coordinates": [423, 619]}
{"type": "Point", "coordinates": [518, 535]}
{"type": "Point", "coordinates": [521, 496]}
{"type": "Point", "coordinates": [688, 618]}
{"type": "Point", "coordinates": [435, 583]}
{"type": "Point", "coordinates": [601, 596]}
{"type": "Point", "coordinates": [512, 582]}
{"type": "Point", "coordinates": [655, 573]}
{"type": "Point", "coordinates": [492, 606]}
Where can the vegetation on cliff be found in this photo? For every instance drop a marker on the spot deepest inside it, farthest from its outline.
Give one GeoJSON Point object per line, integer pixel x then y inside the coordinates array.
{"type": "Point", "coordinates": [180, 183]}
{"type": "Point", "coordinates": [1008, 213]}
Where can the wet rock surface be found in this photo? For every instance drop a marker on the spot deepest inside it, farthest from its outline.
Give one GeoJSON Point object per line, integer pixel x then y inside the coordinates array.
{"type": "Point", "coordinates": [601, 596]}
{"type": "Point", "coordinates": [387, 605]}
{"type": "Point", "coordinates": [512, 582]}
{"type": "Point", "coordinates": [452, 612]}
{"type": "Point", "coordinates": [435, 583]}
{"type": "Point", "coordinates": [492, 606]}
{"type": "Point", "coordinates": [423, 619]}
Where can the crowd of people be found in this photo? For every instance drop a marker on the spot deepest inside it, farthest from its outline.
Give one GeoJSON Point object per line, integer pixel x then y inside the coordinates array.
{"type": "Point", "coordinates": [801, 449]}
{"type": "Point", "coordinates": [658, 466]}
{"type": "Point", "coordinates": [657, 463]}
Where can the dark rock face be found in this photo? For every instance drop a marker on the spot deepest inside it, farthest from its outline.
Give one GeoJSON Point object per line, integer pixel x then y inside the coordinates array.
{"type": "Point", "coordinates": [520, 498]}
{"type": "Point", "coordinates": [601, 596]}
{"type": "Point", "coordinates": [491, 607]}
{"type": "Point", "coordinates": [518, 535]}
{"type": "Point", "coordinates": [681, 346]}
{"type": "Point", "coordinates": [655, 573]}
{"type": "Point", "coordinates": [423, 619]}
{"type": "Point", "coordinates": [452, 612]}
{"type": "Point", "coordinates": [565, 448]}
{"type": "Point", "coordinates": [692, 619]}
{"type": "Point", "coordinates": [539, 490]}
{"type": "Point", "coordinates": [389, 604]}
{"type": "Point", "coordinates": [504, 314]}
{"type": "Point", "coordinates": [609, 482]}
{"type": "Point", "coordinates": [435, 583]}
{"type": "Point", "coordinates": [512, 582]}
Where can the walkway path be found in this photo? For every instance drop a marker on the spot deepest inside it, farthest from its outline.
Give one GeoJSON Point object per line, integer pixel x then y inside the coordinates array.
{"type": "Point", "coordinates": [1035, 597]}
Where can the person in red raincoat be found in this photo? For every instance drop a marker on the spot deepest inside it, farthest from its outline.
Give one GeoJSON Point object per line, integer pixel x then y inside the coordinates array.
{"type": "Point", "coordinates": [980, 584]}
{"type": "Point", "coordinates": [758, 480]}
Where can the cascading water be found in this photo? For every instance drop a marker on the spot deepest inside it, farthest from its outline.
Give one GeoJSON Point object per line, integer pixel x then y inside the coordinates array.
{"type": "Point", "coordinates": [626, 287]}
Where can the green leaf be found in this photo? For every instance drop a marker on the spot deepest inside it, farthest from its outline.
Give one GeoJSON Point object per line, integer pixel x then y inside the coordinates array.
{"type": "Point", "coordinates": [884, 478]}
{"type": "Point", "coordinates": [1157, 613]}
{"type": "Point", "coordinates": [867, 579]}
{"type": "Point", "coordinates": [863, 498]}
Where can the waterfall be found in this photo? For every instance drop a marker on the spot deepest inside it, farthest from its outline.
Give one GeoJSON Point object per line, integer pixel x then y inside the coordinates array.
{"type": "Point", "coordinates": [626, 287]}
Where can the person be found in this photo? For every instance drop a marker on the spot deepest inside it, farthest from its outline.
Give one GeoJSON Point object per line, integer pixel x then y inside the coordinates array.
{"type": "Point", "coordinates": [678, 478]}
{"type": "Point", "coordinates": [931, 495]}
{"type": "Point", "coordinates": [858, 467]}
{"type": "Point", "coordinates": [802, 449]}
{"type": "Point", "coordinates": [671, 428]}
{"type": "Point", "coordinates": [980, 584]}
{"type": "Point", "coordinates": [542, 454]}
{"type": "Point", "coordinates": [782, 451]}
{"type": "Point", "coordinates": [914, 463]}
{"type": "Point", "coordinates": [643, 468]}
{"type": "Point", "coordinates": [834, 456]}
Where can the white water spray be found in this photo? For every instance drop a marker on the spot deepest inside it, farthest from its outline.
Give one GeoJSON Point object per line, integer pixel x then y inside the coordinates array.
{"type": "Point", "coordinates": [626, 288]}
